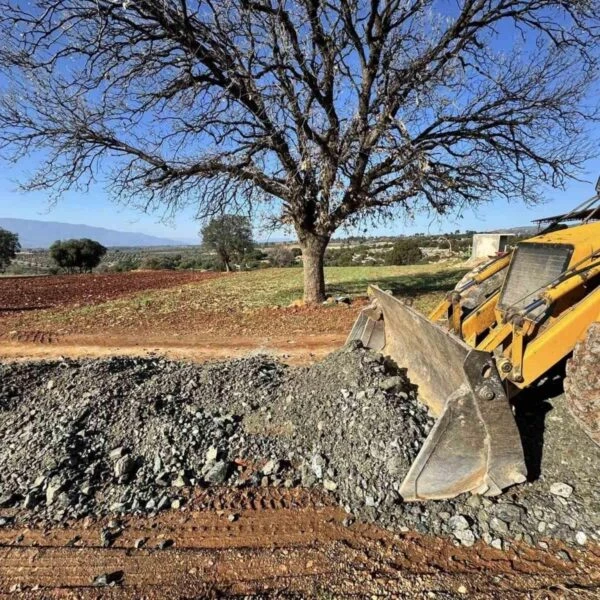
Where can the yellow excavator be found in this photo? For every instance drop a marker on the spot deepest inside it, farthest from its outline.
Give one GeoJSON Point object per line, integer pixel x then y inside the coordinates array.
{"type": "Point", "coordinates": [503, 327]}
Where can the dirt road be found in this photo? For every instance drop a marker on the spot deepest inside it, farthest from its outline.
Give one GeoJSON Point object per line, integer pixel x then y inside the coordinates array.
{"type": "Point", "coordinates": [294, 349]}
{"type": "Point", "coordinates": [282, 543]}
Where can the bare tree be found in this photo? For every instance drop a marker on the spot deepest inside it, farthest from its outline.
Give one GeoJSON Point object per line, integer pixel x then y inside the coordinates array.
{"type": "Point", "coordinates": [331, 111]}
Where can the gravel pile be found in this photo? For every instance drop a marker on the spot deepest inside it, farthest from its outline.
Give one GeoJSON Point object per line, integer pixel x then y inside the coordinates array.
{"type": "Point", "coordinates": [125, 434]}
{"type": "Point", "coordinates": [97, 437]}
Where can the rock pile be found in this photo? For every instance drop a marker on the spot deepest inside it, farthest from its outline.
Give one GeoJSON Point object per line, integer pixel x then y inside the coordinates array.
{"type": "Point", "coordinates": [134, 435]}
{"type": "Point", "coordinates": [124, 435]}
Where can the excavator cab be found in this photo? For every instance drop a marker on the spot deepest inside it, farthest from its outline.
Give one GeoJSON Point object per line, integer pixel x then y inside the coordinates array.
{"type": "Point", "coordinates": [502, 328]}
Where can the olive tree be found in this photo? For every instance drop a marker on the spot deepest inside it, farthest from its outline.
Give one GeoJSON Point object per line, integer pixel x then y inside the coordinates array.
{"type": "Point", "coordinates": [329, 113]}
{"type": "Point", "coordinates": [230, 237]}
{"type": "Point", "coordinates": [73, 255]}
{"type": "Point", "coordinates": [9, 246]}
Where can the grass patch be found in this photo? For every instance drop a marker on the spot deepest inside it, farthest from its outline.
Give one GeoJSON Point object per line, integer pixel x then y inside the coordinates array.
{"type": "Point", "coordinates": [423, 283]}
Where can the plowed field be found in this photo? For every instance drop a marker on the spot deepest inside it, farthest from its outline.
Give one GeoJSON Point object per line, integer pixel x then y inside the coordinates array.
{"type": "Point", "coordinates": [21, 294]}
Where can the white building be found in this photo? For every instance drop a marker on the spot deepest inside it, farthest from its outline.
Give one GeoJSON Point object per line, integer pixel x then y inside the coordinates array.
{"type": "Point", "coordinates": [490, 244]}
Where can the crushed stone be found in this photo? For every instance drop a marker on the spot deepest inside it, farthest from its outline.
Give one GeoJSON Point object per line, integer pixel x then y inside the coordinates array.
{"type": "Point", "coordinates": [132, 435]}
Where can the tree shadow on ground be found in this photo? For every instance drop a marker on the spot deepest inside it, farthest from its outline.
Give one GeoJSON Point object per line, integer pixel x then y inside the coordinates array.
{"type": "Point", "coordinates": [409, 285]}
{"type": "Point", "coordinates": [531, 407]}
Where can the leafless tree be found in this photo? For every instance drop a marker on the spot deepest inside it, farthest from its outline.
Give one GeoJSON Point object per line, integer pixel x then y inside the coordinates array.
{"type": "Point", "coordinates": [331, 111]}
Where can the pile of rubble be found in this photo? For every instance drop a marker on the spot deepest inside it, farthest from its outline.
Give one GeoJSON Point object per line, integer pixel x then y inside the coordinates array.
{"type": "Point", "coordinates": [123, 435]}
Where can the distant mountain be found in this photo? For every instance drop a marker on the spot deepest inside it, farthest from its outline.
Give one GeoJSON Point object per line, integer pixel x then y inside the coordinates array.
{"type": "Point", "coordinates": [41, 234]}
{"type": "Point", "coordinates": [523, 230]}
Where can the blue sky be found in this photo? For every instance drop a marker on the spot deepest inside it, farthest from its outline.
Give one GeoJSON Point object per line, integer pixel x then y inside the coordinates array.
{"type": "Point", "coordinates": [95, 208]}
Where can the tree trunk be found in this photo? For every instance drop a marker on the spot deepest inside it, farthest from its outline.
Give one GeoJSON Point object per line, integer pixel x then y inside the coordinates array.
{"type": "Point", "coordinates": [313, 255]}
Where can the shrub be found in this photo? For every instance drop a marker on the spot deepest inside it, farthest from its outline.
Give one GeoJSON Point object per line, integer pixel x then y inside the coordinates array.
{"type": "Point", "coordinates": [281, 256]}
{"type": "Point", "coordinates": [342, 257]}
{"type": "Point", "coordinates": [405, 251]}
{"type": "Point", "coordinates": [161, 262]}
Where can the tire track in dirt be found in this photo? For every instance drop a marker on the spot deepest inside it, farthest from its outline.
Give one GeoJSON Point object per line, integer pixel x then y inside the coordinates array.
{"type": "Point", "coordinates": [32, 337]}
{"type": "Point", "coordinates": [279, 542]}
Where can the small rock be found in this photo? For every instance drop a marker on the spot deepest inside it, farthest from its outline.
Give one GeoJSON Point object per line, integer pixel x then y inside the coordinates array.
{"type": "Point", "coordinates": [581, 538]}
{"type": "Point", "coordinates": [73, 541]}
{"type": "Point", "coordinates": [317, 464]}
{"type": "Point", "coordinates": [270, 467]}
{"type": "Point", "coordinates": [116, 453]}
{"type": "Point", "coordinates": [563, 555]}
{"type": "Point", "coordinates": [218, 472]}
{"type": "Point", "coordinates": [462, 589]}
{"type": "Point", "coordinates": [329, 485]}
{"type": "Point", "coordinates": [498, 525]}
{"type": "Point", "coordinates": [211, 454]}
{"type": "Point", "coordinates": [86, 489]}
{"type": "Point", "coordinates": [180, 481]}
{"type": "Point", "coordinates": [165, 544]}
{"type": "Point", "coordinates": [163, 479]}
{"type": "Point", "coordinates": [232, 517]}
{"type": "Point", "coordinates": [474, 501]}
{"type": "Point", "coordinates": [106, 579]}
{"type": "Point", "coordinates": [497, 543]}
{"type": "Point", "coordinates": [389, 383]}
{"type": "Point", "coordinates": [458, 523]}
{"type": "Point", "coordinates": [465, 536]}
{"type": "Point", "coordinates": [563, 490]}
{"type": "Point", "coordinates": [54, 486]}
{"type": "Point", "coordinates": [124, 466]}
{"type": "Point", "coordinates": [107, 537]}
{"type": "Point", "coordinates": [510, 513]}
{"type": "Point", "coordinates": [31, 500]}
{"type": "Point", "coordinates": [140, 542]}
{"type": "Point", "coordinates": [163, 503]}
{"type": "Point", "coordinates": [541, 527]}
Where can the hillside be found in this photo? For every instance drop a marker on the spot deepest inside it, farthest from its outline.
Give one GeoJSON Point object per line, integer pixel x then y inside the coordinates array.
{"type": "Point", "coordinates": [40, 234]}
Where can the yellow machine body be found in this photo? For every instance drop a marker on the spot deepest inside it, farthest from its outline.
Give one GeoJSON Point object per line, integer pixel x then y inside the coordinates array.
{"type": "Point", "coordinates": [504, 326]}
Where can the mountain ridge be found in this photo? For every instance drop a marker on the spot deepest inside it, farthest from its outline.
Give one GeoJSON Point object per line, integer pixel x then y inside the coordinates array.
{"type": "Point", "coordinates": [41, 234]}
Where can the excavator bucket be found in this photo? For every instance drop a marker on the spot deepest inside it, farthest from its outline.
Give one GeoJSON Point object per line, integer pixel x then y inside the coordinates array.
{"type": "Point", "coordinates": [474, 445]}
